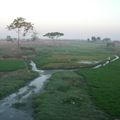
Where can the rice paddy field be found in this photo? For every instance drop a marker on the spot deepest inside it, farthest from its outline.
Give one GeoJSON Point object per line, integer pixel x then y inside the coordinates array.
{"type": "Point", "coordinates": [83, 94]}
{"type": "Point", "coordinates": [104, 84]}
{"type": "Point", "coordinates": [67, 54]}
{"type": "Point", "coordinates": [66, 98]}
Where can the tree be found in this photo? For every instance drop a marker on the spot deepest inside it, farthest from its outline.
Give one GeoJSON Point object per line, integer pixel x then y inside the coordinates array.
{"type": "Point", "coordinates": [58, 34]}
{"type": "Point", "coordinates": [98, 39]}
{"type": "Point", "coordinates": [88, 40]}
{"type": "Point", "coordinates": [54, 35]}
{"type": "Point", "coordinates": [34, 36]}
{"type": "Point", "coordinates": [9, 38]}
{"type": "Point", "coordinates": [48, 35]}
{"type": "Point", "coordinates": [93, 38]}
{"type": "Point", "coordinates": [20, 24]}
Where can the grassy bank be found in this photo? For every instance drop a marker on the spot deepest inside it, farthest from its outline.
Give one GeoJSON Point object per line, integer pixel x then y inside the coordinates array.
{"type": "Point", "coordinates": [13, 75]}
{"type": "Point", "coordinates": [11, 65]}
{"type": "Point", "coordinates": [66, 98]}
{"type": "Point", "coordinates": [11, 81]}
{"type": "Point", "coordinates": [105, 86]}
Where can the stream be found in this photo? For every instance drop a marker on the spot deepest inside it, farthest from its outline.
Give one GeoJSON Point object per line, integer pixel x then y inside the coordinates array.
{"type": "Point", "coordinates": [8, 112]}
{"type": "Point", "coordinates": [24, 94]}
{"type": "Point", "coordinates": [108, 60]}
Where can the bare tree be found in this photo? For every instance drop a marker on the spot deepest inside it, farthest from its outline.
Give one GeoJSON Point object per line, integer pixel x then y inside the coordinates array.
{"type": "Point", "coordinates": [20, 24]}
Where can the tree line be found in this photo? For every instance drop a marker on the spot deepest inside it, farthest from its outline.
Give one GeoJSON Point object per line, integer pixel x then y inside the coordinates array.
{"type": "Point", "coordinates": [98, 39]}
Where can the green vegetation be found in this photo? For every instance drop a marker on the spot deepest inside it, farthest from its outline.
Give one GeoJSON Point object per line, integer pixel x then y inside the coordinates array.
{"type": "Point", "coordinates": [11, 65]}
{"type": "Point", "coordinates": [58, 53]}
{"type": "Point", "coordinates": [105, 86]}
{"type": "Point", "coordinates": [12, 81]}
{"type": "Point", "coordinates": [69, 54]}
{"type": "Point", "coordinates": [14, 72]}
{"type": "Point", "coordinates": [53, 35]}
{"type": "Point", "coordinates": [19, 24]}
{"type": "Point", "coordinates": [66, 98]}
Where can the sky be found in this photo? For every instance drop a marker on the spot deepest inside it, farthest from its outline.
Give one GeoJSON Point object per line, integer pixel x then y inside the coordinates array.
{"type": "Point", "coordinates": [77, 19]}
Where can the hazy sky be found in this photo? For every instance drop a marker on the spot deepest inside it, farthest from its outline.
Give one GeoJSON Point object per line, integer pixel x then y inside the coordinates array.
{"type": "Point", "coordinates": [76, 18]}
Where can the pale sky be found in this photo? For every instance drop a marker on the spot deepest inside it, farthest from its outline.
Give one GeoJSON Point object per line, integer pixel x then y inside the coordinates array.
{"type": "Point", "coordinates": [75, 18]}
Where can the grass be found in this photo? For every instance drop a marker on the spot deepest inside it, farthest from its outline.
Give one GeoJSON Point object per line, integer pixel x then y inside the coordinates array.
{"type": "Point", "coordinates": [11, 65]}
{"type": "Point", "coordinates": [66, 95]}
{"type": "Point", "coordinates": [68, 55]}
{"type": "Point", "coordinates": [13, 69]}
{"type": "Point", "coordinates": [13, 72]}
{"type": "Point", "coordinates": [105, 86]}
{"type": "Point", "coordinates": [58, 54]}
{"type": "Point", "coordinates": [11, 81]}
{"type": "Point", "coordinates": [66, 98]}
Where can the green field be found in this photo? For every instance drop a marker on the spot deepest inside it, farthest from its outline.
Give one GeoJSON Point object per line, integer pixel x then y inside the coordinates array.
{"type": "Point", "coordinates": [11, 65]}
{"type": "Point", "coordinates": [69, 54]}
{"type": "Point", "coordinates": [66, 98]}
{"type": "Point", "coordinates": [58, 54]}
{"type": "Point", "coordinates": [104, 84]}
{"type": "Point", "coordinates": [87, 94]}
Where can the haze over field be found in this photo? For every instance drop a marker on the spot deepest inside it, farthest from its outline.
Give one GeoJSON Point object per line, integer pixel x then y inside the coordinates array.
{"type": "Point", "coordinates": [76, 18]}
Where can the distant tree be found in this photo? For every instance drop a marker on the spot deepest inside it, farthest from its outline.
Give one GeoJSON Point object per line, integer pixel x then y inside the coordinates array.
{"type": "Point", "coordinates": [9, 38]}
{"type": "Point", "coordinates": [93, 39]}
{"type": "Point", "coordinates": [20, 24]}
{"type": "Point", "coordinates": [54, 35]}
{"type": "Point", "coordinates": [58, 34]}
{"type": "Point", "coordinates": [49, 35]}
{"type": "Point", "coordinates": [98, 38]}
{"type": "Point", "coordinates": [88, 40]}
{"type": "Point", "coordinates": [34, 36]}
